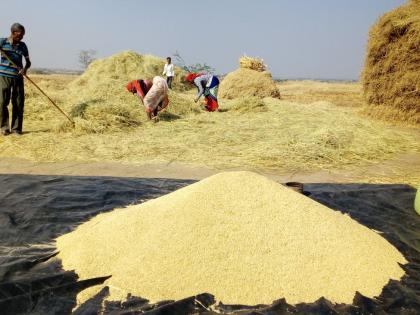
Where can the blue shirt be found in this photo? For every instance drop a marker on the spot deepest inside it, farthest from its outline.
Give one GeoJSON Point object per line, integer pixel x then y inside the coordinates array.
{"type": "Point", "coordinates": [16, 53]}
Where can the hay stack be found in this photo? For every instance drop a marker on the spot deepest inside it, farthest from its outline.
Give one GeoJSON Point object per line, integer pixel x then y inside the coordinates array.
{"type": "Point", "coordinates": [99, 101]}
{"type": "Point", "coordinates": [391, 75]}
{"type": "Point", "coordinates": [247, 82]}
{"type": "Point", "coordinates": [237, 235]}
{"type": "Point", "coordinates": [122, 68]}
{"type": "Point", "coordinates": [256, 64]}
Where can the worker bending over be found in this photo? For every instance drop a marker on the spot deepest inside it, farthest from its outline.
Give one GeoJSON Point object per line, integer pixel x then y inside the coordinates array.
{"type": "Point", "coordinates": [207, 85]}
{"type": "Point", "coordinates": [152, 93]}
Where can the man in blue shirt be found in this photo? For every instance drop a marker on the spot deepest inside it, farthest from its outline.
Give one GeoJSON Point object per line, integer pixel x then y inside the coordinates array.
{"type": "Point", "coordinates": [11, 79]}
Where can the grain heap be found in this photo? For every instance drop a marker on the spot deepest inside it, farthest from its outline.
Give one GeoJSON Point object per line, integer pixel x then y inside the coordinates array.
{"type": "Point", "coordinates": [251, 79]}
{"type": "Point", "coordinates": [99, 101]}
{"type": "Point", "coordinates": [237, 235]}
{"type": "Point", "coordinates": [391, 75]}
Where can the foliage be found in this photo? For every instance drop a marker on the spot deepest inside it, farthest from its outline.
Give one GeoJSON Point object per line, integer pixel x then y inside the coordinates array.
{"type": "Point", "coordinates": [196, 67]}
{"type": "Point", "coordinates": [86, 57]}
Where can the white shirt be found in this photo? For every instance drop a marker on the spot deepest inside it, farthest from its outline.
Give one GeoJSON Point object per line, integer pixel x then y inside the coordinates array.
{"type": "Point", "coordinates": [168, 70]}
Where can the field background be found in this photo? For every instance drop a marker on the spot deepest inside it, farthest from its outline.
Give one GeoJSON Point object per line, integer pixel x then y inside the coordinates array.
{"type": "Point", "coordinates": [314, 127]}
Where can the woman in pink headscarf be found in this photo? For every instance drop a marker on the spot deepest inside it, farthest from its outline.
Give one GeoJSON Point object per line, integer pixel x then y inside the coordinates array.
{"type": "Point", "coordinates": [152, 93]}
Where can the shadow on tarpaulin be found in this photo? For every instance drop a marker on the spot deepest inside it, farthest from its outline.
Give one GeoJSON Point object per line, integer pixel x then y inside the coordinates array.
{"type": "Point", "coordinates": [36, 209]}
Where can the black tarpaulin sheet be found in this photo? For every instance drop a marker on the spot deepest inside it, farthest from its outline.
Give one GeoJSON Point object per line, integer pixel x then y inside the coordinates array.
{"type": "Point", "coordinates": [34, 210]}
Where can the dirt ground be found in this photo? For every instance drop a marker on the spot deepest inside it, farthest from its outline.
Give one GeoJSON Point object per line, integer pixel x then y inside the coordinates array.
{"type": "Point", "coordinates": [403, 165]}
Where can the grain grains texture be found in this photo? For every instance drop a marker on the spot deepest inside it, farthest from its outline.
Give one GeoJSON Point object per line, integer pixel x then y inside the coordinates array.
{"type": "Point", "coordinates": [238, 235]}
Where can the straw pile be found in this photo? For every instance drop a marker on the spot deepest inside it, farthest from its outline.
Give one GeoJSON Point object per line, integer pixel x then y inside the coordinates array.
{"type": "Point", "coordinates": [256, 64]}
{"type": "Point", "coordinates": [391, 75]}
{"type": "Point", "coordinates": [247, 82]}
{"type": "Point", "coordinates": [251, 79]}
{"type": "Point", "coordinates": [99, 101]}
{"type": "Point", "coordinates": [237, 235]}
{"type": "Point", "coordinates": [305, 139]}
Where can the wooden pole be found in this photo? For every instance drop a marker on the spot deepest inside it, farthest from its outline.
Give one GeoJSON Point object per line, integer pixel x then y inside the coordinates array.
{"type": "Point", "coordinates": [43, 93]}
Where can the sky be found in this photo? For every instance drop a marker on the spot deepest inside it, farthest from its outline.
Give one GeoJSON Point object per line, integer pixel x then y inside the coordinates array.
{"type": "Point", "coordinates": [314, 39]}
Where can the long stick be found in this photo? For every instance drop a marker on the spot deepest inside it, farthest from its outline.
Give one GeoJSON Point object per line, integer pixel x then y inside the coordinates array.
{"type": "Point", "coordinates": [52, 102]}
{"type": "Point", "coordinates": [30, 80]}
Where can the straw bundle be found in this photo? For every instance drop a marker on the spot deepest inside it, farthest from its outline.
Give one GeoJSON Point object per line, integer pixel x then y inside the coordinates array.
{"type": "Point", "coordinates": [391, 75]}
{"type": "Point", "coordinates": [256, 64]}
{"type": "Point", "coordinates": [258, 241]}
{"type": "Point", "coordinates": [247, 82]}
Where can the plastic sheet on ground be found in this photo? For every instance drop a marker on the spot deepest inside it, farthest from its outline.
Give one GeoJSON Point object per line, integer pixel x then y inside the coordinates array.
{"type": "Point", "coordinates": [34, 210]}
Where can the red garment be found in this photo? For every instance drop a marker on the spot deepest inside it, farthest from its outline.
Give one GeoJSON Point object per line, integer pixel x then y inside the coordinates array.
{"type": "Point", "coordinates": [190, 77]}
{"type": "Point", "coordinates": [130, 87]}
{"type": "Point", "coordinates": [138, 86]}
{"type": "Point", "coordinates": [211, 104]}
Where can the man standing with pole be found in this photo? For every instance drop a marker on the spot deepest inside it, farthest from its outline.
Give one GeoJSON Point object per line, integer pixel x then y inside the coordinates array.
{"type": "Point", "coordinates": [11, 79]}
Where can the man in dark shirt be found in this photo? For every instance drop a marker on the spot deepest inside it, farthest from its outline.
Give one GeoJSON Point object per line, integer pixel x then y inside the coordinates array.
{"type": "Point", "coordinates": [11, 79]}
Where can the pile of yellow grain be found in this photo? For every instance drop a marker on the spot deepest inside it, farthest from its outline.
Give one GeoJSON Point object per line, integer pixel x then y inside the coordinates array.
{"type": "Point", "coordinates": [240, 236]}
{"type": "Point", "coordinates": [252, 63]}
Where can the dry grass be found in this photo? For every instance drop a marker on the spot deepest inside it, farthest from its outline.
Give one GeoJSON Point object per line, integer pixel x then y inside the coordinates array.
{"type": "Point", "coordinates": [37, 106]}
{"type": "Point", "coordinates": [299, 134]}
{"type": "Point", "coordinates": [249, 104]}
{"type": "Point", "coordinates": [397, 116]}
{"type": "Point", "coordinates": [99, 102]}
{"type": "Point", "coordinates": [347, 94]}
{"type": "Point", "coordinates": [247, 82]}
{"type": "Point", "coordinates": [256, 64]}
{"type": "Point", "coordinates": [391, 75]}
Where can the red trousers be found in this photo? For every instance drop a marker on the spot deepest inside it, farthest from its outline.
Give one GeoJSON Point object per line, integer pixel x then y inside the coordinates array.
{"type": "Point", "coordinates": [211, 104]}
